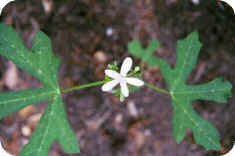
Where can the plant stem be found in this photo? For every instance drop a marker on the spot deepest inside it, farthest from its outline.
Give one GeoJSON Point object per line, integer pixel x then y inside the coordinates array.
{"type": "Point", "coordinates": [97, 83]}
{"type": "Point", "coordinates": [79, 87]}
{"type": "Point", "coordinates": [156, 88]}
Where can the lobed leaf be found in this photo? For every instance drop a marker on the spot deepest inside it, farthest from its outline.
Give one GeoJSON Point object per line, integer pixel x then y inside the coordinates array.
{"type": "Point", "coordinates": [183, 95]}
{"type": "Point", "coordinates": [55, 127]}
{"type": "Point", "coordinates": [13, 101]}
{"type": "Point", "coordinates": [43, 65]}
{"type": "Point", "coordinates": [145, 54]}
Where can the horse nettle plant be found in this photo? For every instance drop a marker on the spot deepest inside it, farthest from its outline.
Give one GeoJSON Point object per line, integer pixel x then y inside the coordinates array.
{"type": "Point", "coordinates": [40, 62]}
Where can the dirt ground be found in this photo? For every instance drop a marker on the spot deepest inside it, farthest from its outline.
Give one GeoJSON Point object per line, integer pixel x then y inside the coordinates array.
{"type": "Point", "coordinates": [89, 34]}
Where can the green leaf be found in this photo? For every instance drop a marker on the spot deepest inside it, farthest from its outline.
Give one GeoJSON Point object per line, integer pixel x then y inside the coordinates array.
{"type": "Point", "coordinates": [43, 65]}
{"type": "Point", "coordinates": [53, 117]}
{"type": "Point", "coordinates": [145, 54]}
{"type": "Point", "coordinates": [13, 101]}
{"type": "Point", "coordinates": [182, 95]}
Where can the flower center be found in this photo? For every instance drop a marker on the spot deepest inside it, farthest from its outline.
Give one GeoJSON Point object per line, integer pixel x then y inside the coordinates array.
{"type": "Point", "coordinates": [121, 79]}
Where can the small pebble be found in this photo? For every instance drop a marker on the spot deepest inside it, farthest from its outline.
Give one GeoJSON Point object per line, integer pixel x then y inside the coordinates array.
{"type": "Point", "coordinates": [26, 131]}
{"type": "Point", "coordinates": [34, 119]}
{"type": "Point", "coordinates": [132, 109]}
{"type": "Point", "coordinates": [100, 57]}
{"type": "Point", "coordinates": [27, 111]}
{"type": "Point", "coordinates": [48, 6]}
{"type": "Point", "coordinates": [196, 2]}
{"type": "Point", "coordinates": [11, 77]}
{"type": "Point", "coordinates": [109, 31]}
{"type": "Point", "coordinates": [118, 118]}
{"type": "Point", "coordinates": [147, 132]}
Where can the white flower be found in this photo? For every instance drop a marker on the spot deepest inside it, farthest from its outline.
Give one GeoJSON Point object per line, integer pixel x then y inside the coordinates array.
{"type": "Point", "coordinates": [121, 78]}
{"type": "Point", "coordinates": [3, 3]}
{"type": "Point", "coordinates": [3, 152]}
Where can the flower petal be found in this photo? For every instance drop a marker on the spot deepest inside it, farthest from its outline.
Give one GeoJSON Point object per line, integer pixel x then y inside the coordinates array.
{"type": "Point", "coordinates": [126, 66]}
{"type": "Point", "coordinates": [134, 81]}
{"type": "Point", "coordinates": [111, 73]}
{"type": "Point", "coordinates": [124, 89]}
{"type": "Point", "coordinates": [109, 85]}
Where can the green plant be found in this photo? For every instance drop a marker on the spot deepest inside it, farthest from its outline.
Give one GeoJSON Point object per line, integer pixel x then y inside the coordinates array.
{"type": "Point", "coordinates": [183, 95]}
{"type": "Point", "coordinates": [41, 63]}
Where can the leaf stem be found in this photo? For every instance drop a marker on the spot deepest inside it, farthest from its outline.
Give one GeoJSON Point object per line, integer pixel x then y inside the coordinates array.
{"type": "Point", "coordinates": [79, 87]}
{"type": "Point", "coordinates": [156, 88]}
